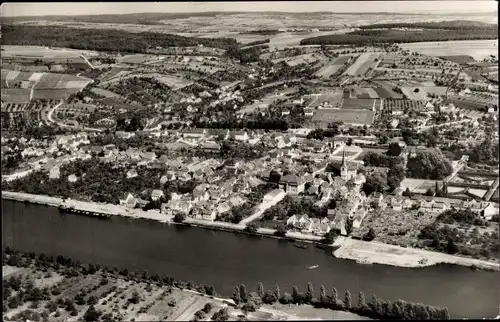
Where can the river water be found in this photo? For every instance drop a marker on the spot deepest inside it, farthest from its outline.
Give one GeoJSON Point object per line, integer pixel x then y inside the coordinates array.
{"type": "Point", "coordinates": [227, 259]}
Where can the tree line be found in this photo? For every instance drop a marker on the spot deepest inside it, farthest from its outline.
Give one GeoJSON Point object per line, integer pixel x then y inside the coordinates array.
{"type": "Point", "coordinates": [376, 309]}
{"type": "Point", "coordinates": [248, 302]}
{"type": "Point", "coordinates": [369, 37]}
{"type": "Point", "coordinates": [104, 40]}
{"type": "Point", "coordinates": [448, 25]}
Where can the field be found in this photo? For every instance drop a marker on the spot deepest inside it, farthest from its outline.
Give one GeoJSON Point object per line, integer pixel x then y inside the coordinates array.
{"type": "Point", "coordinates": [468, 104]}
{"type": "Point", "coordinates": [103, 92]}
{"type": "Point", "coordinates": [362, 104]}
{"type": "Point", "coordinates": [266, 101]}
{"type": "Point", "coordinates": [15, 95]}
{"type": "Point", "coordinates": [112, 297]}
{"type": "Point", "coordinates": [333, 98]}
{"type": "Point", "coordinates": [478, 49]}
{"type": "Point", "coordinates": [362, 64]}
{"type": "Point", "coordinates": [171, 81]}
{"type": "Point", "coordinates": [459, 59]}
{"type": "Point", "coordinates": [137, 59]}
{"type": "Point", "coordinates": [360, 117]}
{"type": "Point", "coordinates": [396, 227]}
{"type": "Point", "coordinates": [333, 67]}
{"type": "Point", "coordinates": [300, 59]}
{"type": "Point", "coordinates": [55, 94]}
{"type": "Point", "coordinates": [402, 104]}
{"type": "Point", "coordinates": [422, 92]}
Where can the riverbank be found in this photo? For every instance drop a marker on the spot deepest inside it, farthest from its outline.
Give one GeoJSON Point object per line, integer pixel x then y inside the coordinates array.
{"type": "Point", "coordinates": [117, 210]}
{"type": "Point", "coordinates": [345, 248]}
{"type": "Point", "coordinates": [374, 252]}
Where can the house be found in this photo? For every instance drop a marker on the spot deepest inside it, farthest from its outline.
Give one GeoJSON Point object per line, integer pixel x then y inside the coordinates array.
{"type": "Point", "coordinates": [223, 207]}
{"type": "Point", "coordinates": [72, 178]}
{"type": "Point", "coordinates": [129, 201]}
{"type": "Point", "coordinates": [285, 112]}
{"type": "Point", "coordinates": [397, 205]}
{"type": "Point", "coordinates": [291, 221]}
{"type": "Point", "coordinates": [211, 146]}
{"type": "Point", "coordinates": [177, 206]}
{"type": "Point", "coordinates": [124, 135]}
{"type": "Point", "coordinates": [54, 172]}
{"type": "Point", "coordinates": [132, 173]}
{"type": "Point", "coordinates": [239, 135]}
{"type": "Point", "coordinates": [200, 193]}
{"type": "Point", "coordinates": [324, 227]}
{"type": "Point", "coordinates": [309, 112]}
{"type": "Point", "coordinates": [235, 200]}
{"type": "Point", "coordinates": [156, 194]}
{"type": "Point", "coordinates": [438, 207]}
{"type": "Point", "coordinates": [304, 223]}
{"type": "Point", "coordinates": [194, 133]}
{"type": "Point", "coordinates": [377, 198]}
{"type": "Point", "coordinates": [273, 195]}
{"type": "Point", "coordinates": [292, 184]}
{"type": "Point", "coordinates": [315, 225]}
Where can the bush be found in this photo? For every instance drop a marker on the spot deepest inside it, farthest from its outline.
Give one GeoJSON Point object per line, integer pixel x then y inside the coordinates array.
{"type": "Point", "coordinates": [252, 227]}
{"type": "Point", "coordinates": [178, 218]}
{"type": "Point", "coordinates": [208, 307]}
{"type": "Point", "coordinates": [370, 235]}
{"type": "Point", "coordinates": [286, 299]}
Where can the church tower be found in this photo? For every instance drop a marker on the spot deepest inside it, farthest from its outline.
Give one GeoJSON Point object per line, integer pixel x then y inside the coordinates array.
{"type": "Point", "coordinates": [344, 171]}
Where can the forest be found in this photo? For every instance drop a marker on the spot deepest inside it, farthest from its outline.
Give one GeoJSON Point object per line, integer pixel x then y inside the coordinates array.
{"type": "Point", "coordinates": [448, 25]}
{"type": "Point", "coordinates": [104, 40]}
{"type": "Point", "coordinates": [369, 37]}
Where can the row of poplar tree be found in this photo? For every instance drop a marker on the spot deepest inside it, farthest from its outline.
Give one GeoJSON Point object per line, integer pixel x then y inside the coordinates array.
{"type": "Point", "coordinates": [377, 308]}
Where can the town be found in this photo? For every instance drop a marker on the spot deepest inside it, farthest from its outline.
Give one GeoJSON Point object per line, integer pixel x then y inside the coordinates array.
{"type": "Point", "coordinates": [361, 145]}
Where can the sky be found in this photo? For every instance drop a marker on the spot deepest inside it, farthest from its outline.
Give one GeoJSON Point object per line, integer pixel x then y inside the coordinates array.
{"type": "Point", "coordinates": [95, 8]}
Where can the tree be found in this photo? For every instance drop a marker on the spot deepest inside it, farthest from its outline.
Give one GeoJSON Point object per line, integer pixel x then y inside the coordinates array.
{"type": "Point", "coordinates": [280, 230]}
{"type": "Point", "coordinates": [394, 149]}
{"type": "Point", "coordinates": [207, 308]}
{"type": "Point", "coordinates": [349, 142]}
{"type": "Point", "coordinates": [269, 297]}
{"type": "Point", "coordinates": [179, 217]}
{"type": "Point", "coordinates": [236, 295]}
{"type": "Point", "coordinates": [370, 235]}
{"type": "Point", "coordinates": [243, 293]}
{"type": "Point", "coordinates": [361, 301]}
{"type": "Point", "coordinates": [309, 293]}
{"type": "Point", "coordinates": [135, 298]}
{"type": "Point", "coordinates": [277, 291]}
{"type": "Point", "coordinates": [295, 294]}
{"type": "Point", "coordinates": [348, 300]}
{"type": "Point", "coordinates": [451, 247]}
{"type": "Point", "coordinates": [260, 290]}
{"type": "Point", "coordinates": [252, 227]}
{"type": "Point", "coordinates": [286, 298]}
{"type": "Point", "coordinates": [92, 314]}
{"type": "Point", "coordinates": [322, 294]}
{"type": "Point", "coordinates": [221, 315]}
{"type": "Point", "coordinates": [334, 296]}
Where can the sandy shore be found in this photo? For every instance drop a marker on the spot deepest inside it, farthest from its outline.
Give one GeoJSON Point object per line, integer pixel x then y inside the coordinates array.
{"type": "Point", "coordinates": [380, 253]}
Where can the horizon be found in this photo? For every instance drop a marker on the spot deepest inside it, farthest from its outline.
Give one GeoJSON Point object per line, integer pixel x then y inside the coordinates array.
{"type": "Point", "coordinates": [340, 7]}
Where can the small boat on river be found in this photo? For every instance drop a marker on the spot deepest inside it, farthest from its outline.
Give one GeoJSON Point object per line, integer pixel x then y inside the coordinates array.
{"type": "Point", "coordinates": [313, 267]}
{"type": "Point", "coordinates": [301, 245]}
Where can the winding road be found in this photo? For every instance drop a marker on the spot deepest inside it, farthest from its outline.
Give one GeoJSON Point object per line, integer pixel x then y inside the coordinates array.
{"type": "Point", "coordinates": [50, 118]}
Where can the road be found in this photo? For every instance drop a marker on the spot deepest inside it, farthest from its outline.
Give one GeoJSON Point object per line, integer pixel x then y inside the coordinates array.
{"type": "Point", "coordinates": [262, 207]}
{"type": "Point", "coordinates": [426, 127]}
{"type": "Point", "coordinates": [51, 120]}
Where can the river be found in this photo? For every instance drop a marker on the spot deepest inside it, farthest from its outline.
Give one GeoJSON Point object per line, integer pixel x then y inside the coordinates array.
{"type": "Point", "coordinates": [227, 259]}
